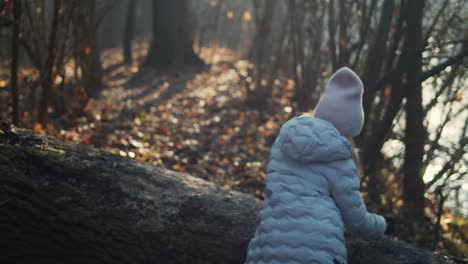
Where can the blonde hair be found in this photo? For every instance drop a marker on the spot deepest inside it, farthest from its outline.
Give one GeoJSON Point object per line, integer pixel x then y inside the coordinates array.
{"type": "Point", "coordinates": [357, 160]}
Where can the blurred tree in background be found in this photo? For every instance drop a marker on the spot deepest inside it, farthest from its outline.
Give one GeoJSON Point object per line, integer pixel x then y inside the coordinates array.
{"type": "Point", "coordinates": [172, 43]}
{"type": "Point", "coordinates": [128, 32]}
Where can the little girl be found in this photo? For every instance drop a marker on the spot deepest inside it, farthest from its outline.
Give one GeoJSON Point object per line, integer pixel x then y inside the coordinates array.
{"type": "Point", "coordinates": [312, 190]}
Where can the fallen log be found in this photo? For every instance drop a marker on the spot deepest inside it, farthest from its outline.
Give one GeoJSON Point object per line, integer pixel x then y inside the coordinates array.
{"type": "Point", "coordinates": [72, 203]}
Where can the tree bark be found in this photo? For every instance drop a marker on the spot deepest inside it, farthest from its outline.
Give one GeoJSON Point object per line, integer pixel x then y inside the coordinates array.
{"type": "Point", "coordinates": [128, 32]}
{"type": "Point", "coordinates": [372, 72]}
{"type": "Point", "coordinates": [331, 34]}
{"type": "Point", "coordinates": [65, 203]}
{"type": "Point", "coordinates": [74, 204]}
{"type": "Point", "coordinates": [47, 80]}
{"type": "Point", "coordinates": [14, 62]}
{"type": "Point", "coordinates": [415, 132]}
{"type": "Point", "coordinates": [87, 52]}
{"type": "Point", "coordinates": [172, 43]}
{"type": "Point", "coordinates": [259, 96]}
{"type": "Point", "coordinates": [375, 61]}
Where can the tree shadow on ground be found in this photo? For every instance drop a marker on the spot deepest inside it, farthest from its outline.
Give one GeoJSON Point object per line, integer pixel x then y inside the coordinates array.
{"type": "Point", "coordinates": [146, 89]}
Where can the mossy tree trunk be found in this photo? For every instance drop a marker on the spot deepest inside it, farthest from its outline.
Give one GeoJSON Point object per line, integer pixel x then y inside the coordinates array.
{"type": "Point", "coordinates": [65, 203]}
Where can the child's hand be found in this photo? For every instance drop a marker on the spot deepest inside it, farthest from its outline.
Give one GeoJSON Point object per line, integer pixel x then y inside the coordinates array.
{"type": "Point", "coordinates": [390, 225]}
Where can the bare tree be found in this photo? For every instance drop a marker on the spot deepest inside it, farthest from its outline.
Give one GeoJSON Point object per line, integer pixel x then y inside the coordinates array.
{"type": "Point", "coordinates": [86, 49]}
{"type": "Point", "coordinates": [48, 78]}
{"type": "Point", "coordinates": [14, 61]}
{"type": "Point", "coordinates": [49, 43]}
{"type": "Point", "coordinates": [415, 133]}
{"type": "Point", "coordinates": [128, 32]}
{"type": "Point", "coordinates": [264, 13]}
{"type": "Point", "coordinates": [172, 43]}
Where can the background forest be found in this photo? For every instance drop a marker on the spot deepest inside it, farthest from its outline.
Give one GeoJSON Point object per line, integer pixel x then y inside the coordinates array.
{"type": "Point", "coordinates": [203, 87]}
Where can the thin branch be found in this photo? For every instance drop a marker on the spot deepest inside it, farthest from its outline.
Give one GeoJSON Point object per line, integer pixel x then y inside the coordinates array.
{"type": "Point", "coordinates": [435, 143]}
{"type": "Point", "coordinates": [436, 19]}
{"type": "Point", "coordinates": [365, 25]}
{"type": "Point", "coordinates": [454, 159]}
{"type": "Point", "coordinates": [455, 60]}
{"type": "Point", "coordinates": [448, 82]}
{"type": "Point", "coordinates": [442, 198]}
{"type": "Point", "coordinates": [331, 34]}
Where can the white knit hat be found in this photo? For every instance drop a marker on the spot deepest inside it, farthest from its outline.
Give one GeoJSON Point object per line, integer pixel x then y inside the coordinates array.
{"type": "Point", "coordinates": [341, 104]}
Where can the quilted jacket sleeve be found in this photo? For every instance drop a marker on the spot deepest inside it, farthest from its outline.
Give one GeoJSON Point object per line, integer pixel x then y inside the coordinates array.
{"type": "Point", "coordinates": [345, 191]}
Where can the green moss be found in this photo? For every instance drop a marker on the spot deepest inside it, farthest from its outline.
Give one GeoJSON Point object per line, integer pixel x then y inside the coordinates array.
{"type": "Point", "coordinates": [40, 151]}
{"type": "Point", "coordinates": [54, 158]}
{"type": "Point", "coordinates": [46, 152]}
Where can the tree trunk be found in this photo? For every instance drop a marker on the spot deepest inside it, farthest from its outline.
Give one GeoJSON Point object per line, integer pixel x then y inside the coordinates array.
{"type": "Point", "coordinates": [415, 133]}
{"type": "Point", "coordinates": [400, 88]}
{"type": "Point", "coordinates": [331, 35]}
{"type": "Point", "coordinates": [128, 32]}
{"type": "Point", "coordinates": [87, 51]}
{"type": "Point", "coordinates": [14, 62]}
{"type": "Point", "coordinates": [73, 204]}
{"type": "Point", "coordinates": [64, 203]}
{"type": "Point", "coordinates": [259, 96]}
{"type": "Point", "coordinates": [172, 43]}
{"type": "Point", "coordinates": [375, 61]}
{"type": "Point", "coordinates": [47, 78]}
{"type": "Point", "coordinates": [297, 43]}
{"type": "Point", "coordinates": [372, 74]}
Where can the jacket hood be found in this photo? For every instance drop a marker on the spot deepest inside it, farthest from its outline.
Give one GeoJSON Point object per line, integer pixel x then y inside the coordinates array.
{"type": "Point", "coordinates": [307, 139]}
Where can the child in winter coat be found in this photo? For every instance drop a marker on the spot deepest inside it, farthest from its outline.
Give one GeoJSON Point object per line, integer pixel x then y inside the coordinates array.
{"type": "Point", "coordinates": [312, 190]}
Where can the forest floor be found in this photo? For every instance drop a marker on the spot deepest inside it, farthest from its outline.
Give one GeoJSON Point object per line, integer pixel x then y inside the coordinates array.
{"type": "Point", "coordinates": [197, 122]}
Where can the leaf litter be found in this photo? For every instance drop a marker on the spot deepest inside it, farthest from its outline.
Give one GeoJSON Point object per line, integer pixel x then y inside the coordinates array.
{"type": "Point", "coordinates": [193, 122]}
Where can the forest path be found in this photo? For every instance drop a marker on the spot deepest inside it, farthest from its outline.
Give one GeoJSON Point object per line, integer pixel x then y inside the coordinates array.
{"type": "Point", "coordinates": [195, 122]}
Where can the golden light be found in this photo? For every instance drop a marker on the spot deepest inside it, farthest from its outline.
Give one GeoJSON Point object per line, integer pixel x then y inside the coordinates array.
{"type": "Point", "coordinates": [58, 80]}
{"type": "Point", "coordinates": [69, 71]}
{"type": "Point", "coordinates": [134, 69]}
{"type": "Point", "coordinates": [230, 14]}
{"type": "Point", "coordinates": [3, 83]}
{"type": "Point", "coordinates": [247, 16]}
